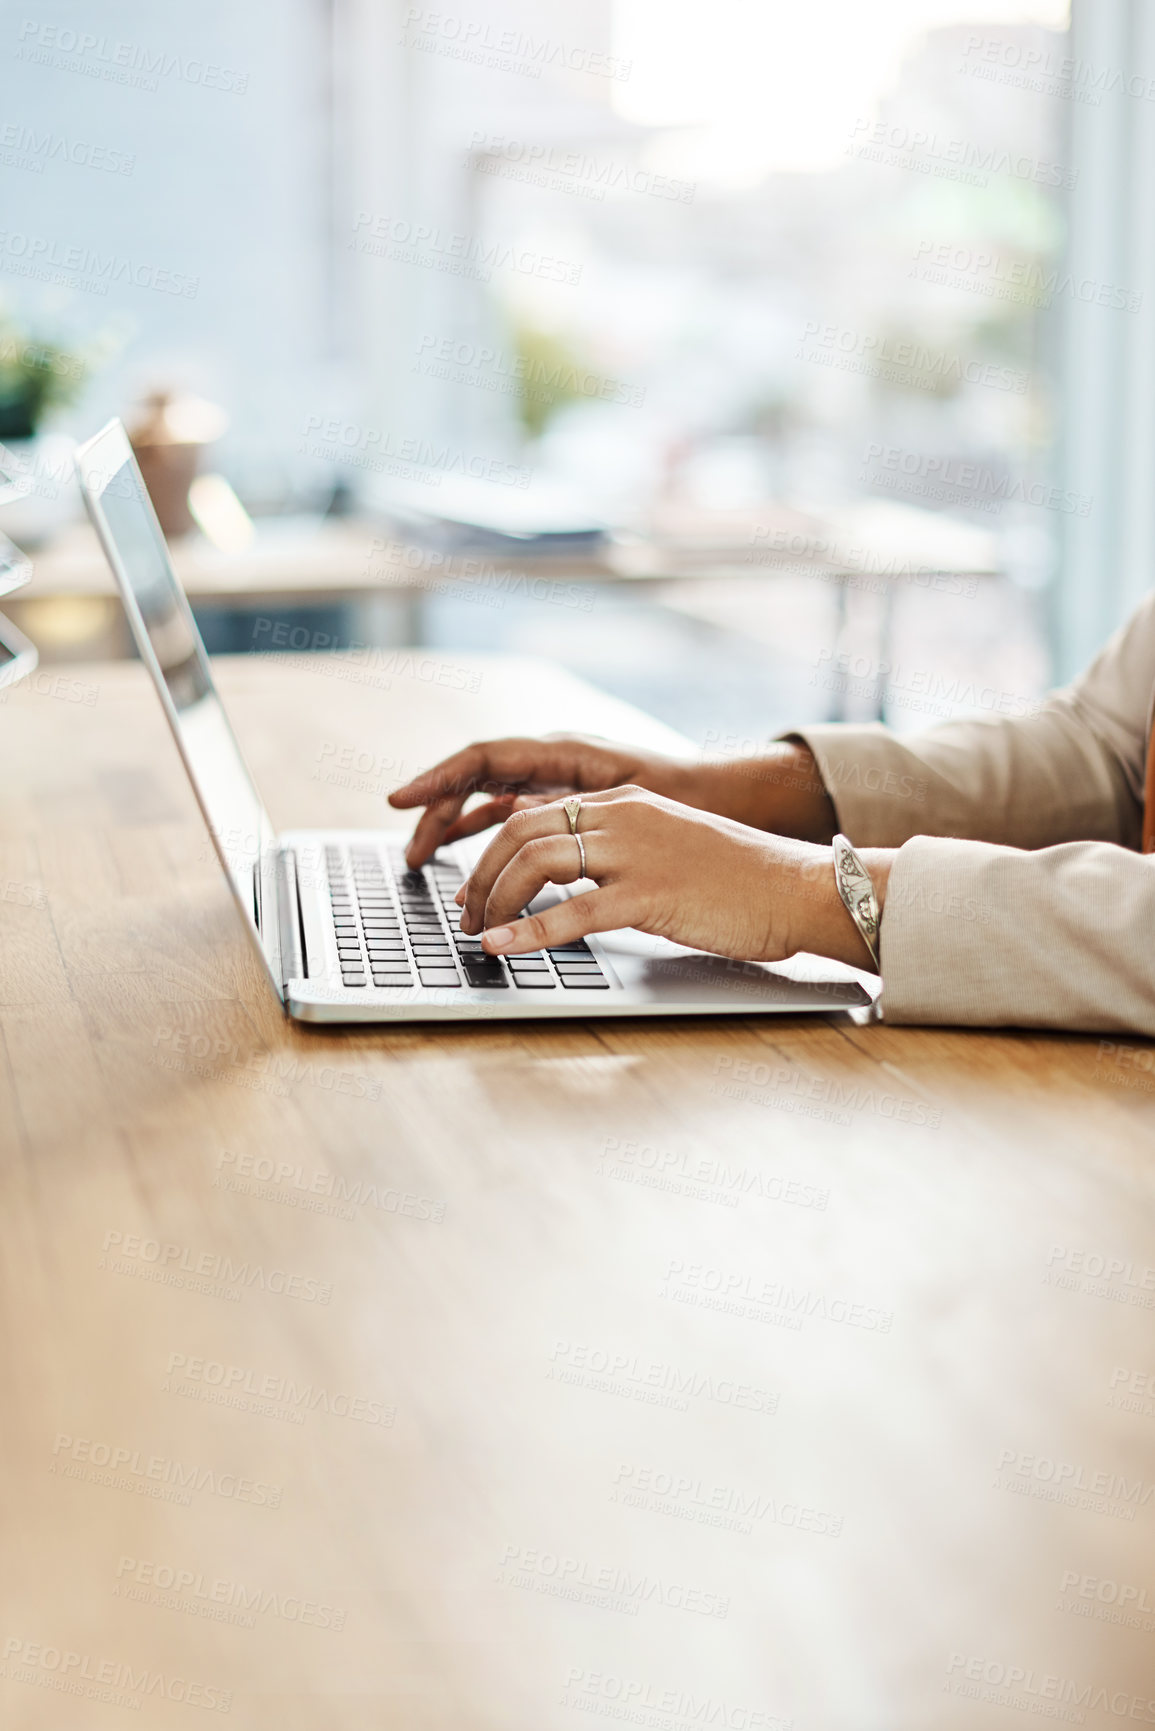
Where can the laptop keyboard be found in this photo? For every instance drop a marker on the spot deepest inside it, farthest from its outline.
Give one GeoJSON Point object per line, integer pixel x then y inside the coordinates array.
{"type": "Point", "coordinates": [396, 927]}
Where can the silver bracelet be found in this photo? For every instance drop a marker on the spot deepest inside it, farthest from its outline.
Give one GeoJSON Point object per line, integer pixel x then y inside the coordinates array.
{"type": "Point", "coordinates": [857, 892]}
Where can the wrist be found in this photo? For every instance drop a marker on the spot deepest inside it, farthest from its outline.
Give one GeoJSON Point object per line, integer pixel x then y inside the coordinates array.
{"type": "Point", "coordinates": [781, 791]}
{"type": "Point", "coordinates": [817, 919]}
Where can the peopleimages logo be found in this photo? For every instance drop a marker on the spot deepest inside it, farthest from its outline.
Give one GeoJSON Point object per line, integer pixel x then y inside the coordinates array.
{"type": "Point", "coordinates": [118, 1467]}
{"type": "Point", "coordinates": [119, 1683]}
{"type": "Point", "coordinates": [209, 1377]}
{"type": "Point", "coordinates": [651, 1380]}
{"type": "Point", "coordinates": [1096, 1489]}
{"type": "Point", "coordinates": [84, 267]}
{"type": "Point", "coordinates": [1030, 1690]}
{"type": "Point", "coordinates": [617, 1587]}
{"type": "Point", "coordinates": [169, 1259]}
{"type": "Point", "coordinates": [658, 1705]}
{"type": "Point", "coordinates": [212, 1596]}
{"type": "Point", "coordinates": [120, 62]}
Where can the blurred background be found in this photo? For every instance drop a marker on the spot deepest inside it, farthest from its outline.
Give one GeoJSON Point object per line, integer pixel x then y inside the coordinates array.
{"type": "Point", "coordinates": [761, 363]}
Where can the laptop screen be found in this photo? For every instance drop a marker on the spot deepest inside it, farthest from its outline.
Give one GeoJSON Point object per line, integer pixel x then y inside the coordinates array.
{"type": "Point", "coordinates": [162, 623]}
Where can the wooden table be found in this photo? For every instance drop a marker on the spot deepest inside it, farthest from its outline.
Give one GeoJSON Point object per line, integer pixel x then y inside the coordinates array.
{"type": "Point", "coordinates": [510, 1378]}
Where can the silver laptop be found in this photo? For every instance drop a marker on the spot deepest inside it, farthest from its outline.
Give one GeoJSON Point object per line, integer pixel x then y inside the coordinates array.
{"type": "Point", "coordinates": [346, 932]}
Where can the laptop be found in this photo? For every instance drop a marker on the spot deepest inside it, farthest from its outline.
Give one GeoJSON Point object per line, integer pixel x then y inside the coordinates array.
{"type": "Point", "coordinates": [344, 930]}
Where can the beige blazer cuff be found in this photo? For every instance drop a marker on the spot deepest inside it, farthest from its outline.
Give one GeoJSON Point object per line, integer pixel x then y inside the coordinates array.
{"type": "Point", "coordinates": [979, 935]}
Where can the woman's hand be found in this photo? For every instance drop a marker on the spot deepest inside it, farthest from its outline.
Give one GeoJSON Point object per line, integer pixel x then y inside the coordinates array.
{"type": "Point", "coordinates": [701, 880]}
{"type": "Point", "coordinates": [782, 790]}
{"type": "Point", "coordinates": [523, 773]}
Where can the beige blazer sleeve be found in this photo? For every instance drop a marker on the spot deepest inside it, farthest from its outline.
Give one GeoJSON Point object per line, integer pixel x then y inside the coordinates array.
{"type": "Point", "coordinates": [1016, 897]}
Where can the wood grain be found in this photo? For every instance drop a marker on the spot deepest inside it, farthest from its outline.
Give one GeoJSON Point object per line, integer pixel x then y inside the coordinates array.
{"type": "Point", "coordinates": [508, 1378]}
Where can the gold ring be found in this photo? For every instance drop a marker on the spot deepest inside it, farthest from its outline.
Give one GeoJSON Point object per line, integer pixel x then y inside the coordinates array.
{"type": "Point", "coordinates": [572, 808]}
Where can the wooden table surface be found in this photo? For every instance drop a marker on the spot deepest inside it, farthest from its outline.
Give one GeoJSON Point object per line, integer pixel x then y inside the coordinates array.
{"type": "Point", "coordinates": [686, 1375]}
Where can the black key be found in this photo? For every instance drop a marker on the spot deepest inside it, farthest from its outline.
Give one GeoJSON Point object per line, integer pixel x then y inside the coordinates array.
{"type": "Point", "coordinates": [578, 949]}
{"type": "Point", "coordinates": [484, 976]}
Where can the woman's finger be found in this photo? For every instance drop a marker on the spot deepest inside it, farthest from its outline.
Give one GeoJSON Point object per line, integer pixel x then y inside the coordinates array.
{"type": "Point", "coordinates": [491, 766]}
{"type": "Point", "coordinates": [494, 811]}
{"type": "Point", "coordinates": [432, 827]}
{"type": "Point", "coordinates": [460, 773]}
{"type": "Point", "coordinates": [481, 817]}
{"type": "Point", "coordinates": [549, 859]}
{"type": "Point", "coordinates": [524, 826]}
{"type": "Point", "coordinates": [600, 910]}
{"type": "Point", "coordinates": [520, 828]}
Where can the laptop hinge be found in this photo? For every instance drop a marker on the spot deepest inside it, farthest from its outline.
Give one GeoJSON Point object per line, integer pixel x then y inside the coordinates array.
{"type": "Point", "coordinates": [293, 962]}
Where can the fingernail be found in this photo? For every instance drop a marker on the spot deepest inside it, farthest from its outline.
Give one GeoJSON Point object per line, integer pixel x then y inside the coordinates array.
{"type": "Point", "coordinates": [498, 939]}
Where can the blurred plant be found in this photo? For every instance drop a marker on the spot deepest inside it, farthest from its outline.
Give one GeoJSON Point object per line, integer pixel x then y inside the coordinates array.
{"type": "Point", "coordinates": [550, 372]}
{"type": "Point", "coordinates": [37, 377]}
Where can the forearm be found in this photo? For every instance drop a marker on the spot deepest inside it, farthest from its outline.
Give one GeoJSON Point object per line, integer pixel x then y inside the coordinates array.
{"type": "Point", "coordinates": [781, 791]}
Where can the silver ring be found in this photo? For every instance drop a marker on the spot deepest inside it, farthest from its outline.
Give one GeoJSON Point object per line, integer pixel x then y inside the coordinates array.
{"type": "Point", "coordinates": [572, 809]}
{"type": "Point", "coordinates": [581, 852]}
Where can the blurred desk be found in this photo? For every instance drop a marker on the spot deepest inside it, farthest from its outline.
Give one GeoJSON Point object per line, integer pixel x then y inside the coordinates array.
{"type": "Point", "coordinates": [489, 1378]}
{"type": "Point", "coordinates": [290, 563]}
{"type": "Point", "coordinates": [870, 552]}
